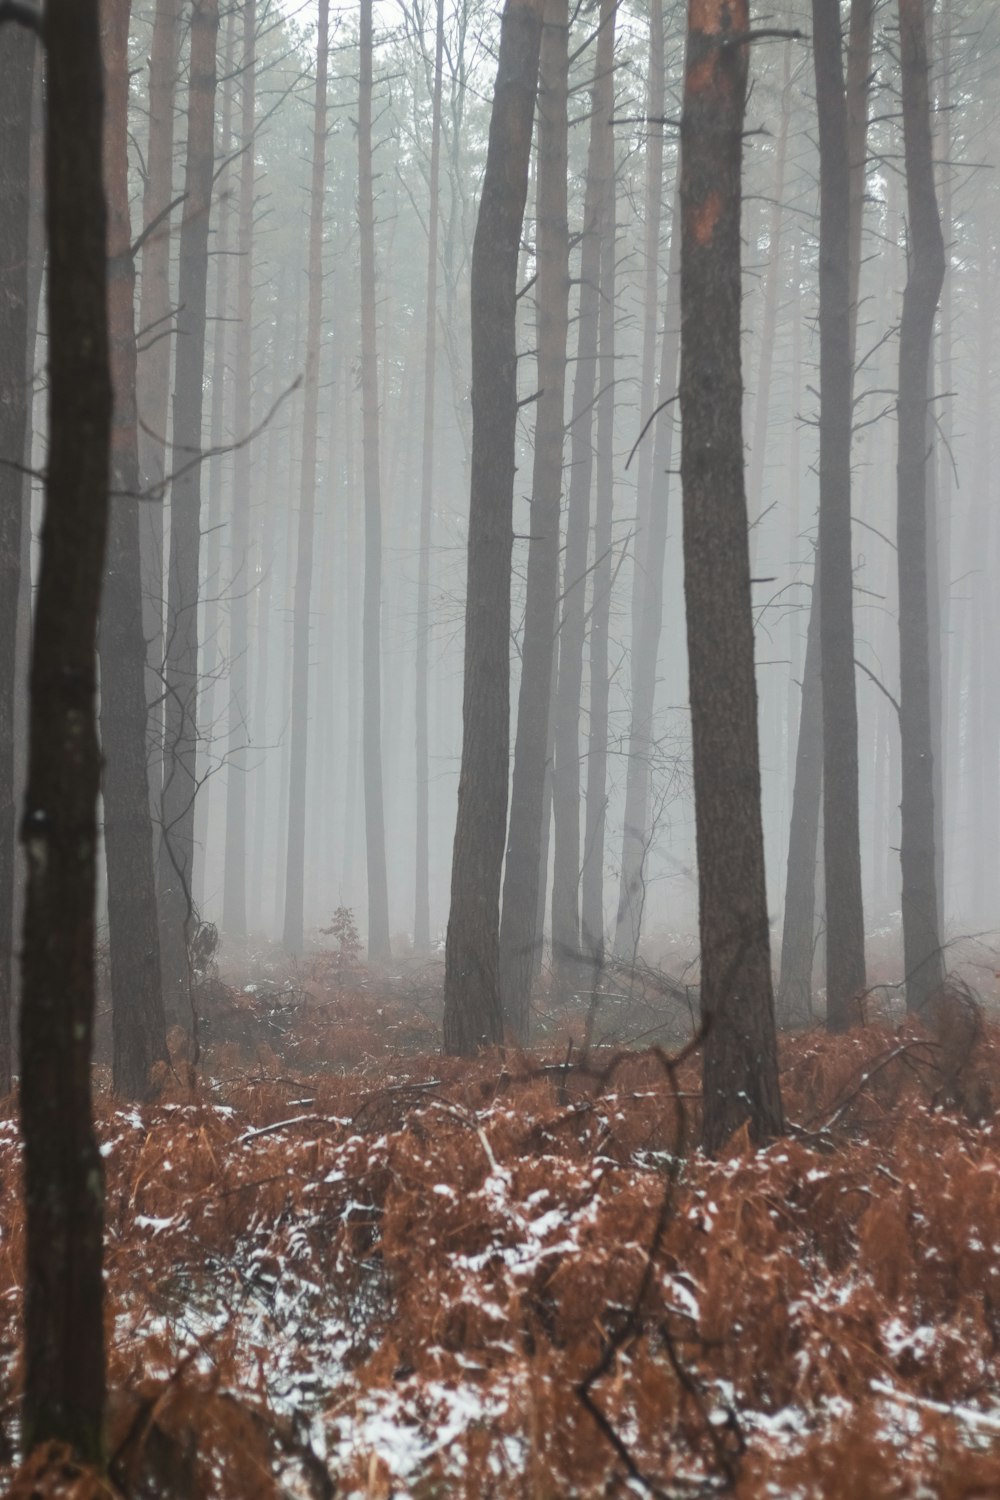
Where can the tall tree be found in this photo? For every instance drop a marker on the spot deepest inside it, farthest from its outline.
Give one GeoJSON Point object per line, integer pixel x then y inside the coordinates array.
{"type": "Point", "coordinates": [422, 915]}
{"type": "Point", "coordinates": [17, 61]}
{"type": "Point", "coordinates": [472, 1011]}
{"type": "Point", "coordinates": [138, 1026]}
{"type": "Point", "coordinates": [234, 911]}
{"type": "Point", "coordinates": [371, 636]}
{"type": "Point", "coordinates": [180, 750]}
{"type": "Point", "coordinates": [63, 1179]}
{"type": "Point", "coordinates": [567, 862]}
{"type": "Point", "coordinates": [156, 318]}
{"type": "Point", "coordinates": [922, 955]}
{"type": "Point", "coordinates": [520, 929]}
{"type": "Point", "coordinates": [296, 849]}
{"type": "Point", "coordinates": [845, 934]}
{"type": "Point", "coordinates": [740, 1076]}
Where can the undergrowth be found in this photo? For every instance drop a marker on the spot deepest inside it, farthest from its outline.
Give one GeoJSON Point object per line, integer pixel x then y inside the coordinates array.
{"type": "Point", "coordinates": [368, 1271]}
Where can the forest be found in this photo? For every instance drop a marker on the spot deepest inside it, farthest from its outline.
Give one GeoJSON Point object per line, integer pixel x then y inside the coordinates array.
{"type": "Point", "coordinates": [499, 762]}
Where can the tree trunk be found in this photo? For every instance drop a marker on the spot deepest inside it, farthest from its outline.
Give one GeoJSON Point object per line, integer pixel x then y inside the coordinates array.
{"type": "Point", "coordinates": [472, 1012]}
{"type": "Point", "coordinates": [371, 647]}
{"type": "Point", "coordinates": [845, 934]}
{"type": "Point", "coordinates": [592, 874]}
{"type": "Point", "coordinates": [422, 914]}
{"type": "Point", "coordinates": [566, 951]}
{"type": "Point", "coordinates": [520, 932]}
{"type": "Point", "coordinates": [17, 62]}
{"type": "Point", "coordinates": [156, 326]}
{"type": "Point", "coordinates": [740, 1072]}
{"type": "Point", "coordinates": [637, 831]}
{"type": "Point", "coordinates": [296, 851]}
{"type": "Point", "coordinates": [137, 1020]}
{"type": "Point", "coordinates": [63, 1177]}
{"type": "Point", "coordinates": [234, 908]}
{"type": "Point", "coordinates": [923, 959]}
{"type": "Point", "coordinates": [180, 750]}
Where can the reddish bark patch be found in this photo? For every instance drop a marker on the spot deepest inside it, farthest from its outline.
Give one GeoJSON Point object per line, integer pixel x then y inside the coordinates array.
{"type": "Point", "coordinates": [704, 219]}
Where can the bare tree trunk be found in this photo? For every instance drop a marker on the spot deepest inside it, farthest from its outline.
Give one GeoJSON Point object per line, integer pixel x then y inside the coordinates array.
{"type": "Point", "coordinates": [138, 1025]}
{"type": "Point", "coordinates": [472, 1012]}
{"type": "Point", "coordinates": [296, 852]}
{"type": "Point", "coordinates": [520, 932]}
{"type": "Point", "coordinates": [17, 62]}
{"type": "Point", "coordinates": [845, 934]}
{"type": "Point", "coordinates": [234, 909]}
{"type": "Point", "coordinates": [371, 649]}
{"type": "Point", "coordinates": [592, 875]}
{"type": "Point", "coordinates": [156, 320]}
{"type": "Point", "coordinates": [64, 1365]}
{"type": "Point", "coordinates": [180, 768]}
{"type": "Point", "coordinates": [649, 624]}
{"type": "Point", "coordinates": [422, 914]}
{"type": "Point", "coordinates": [740, 1074]}
{"type": "Point", "coordinates": [218, 465]}
{"type": "Point", "coordinates": [923, 959]}
{"type": "Point", "coordinates": [566, 950]}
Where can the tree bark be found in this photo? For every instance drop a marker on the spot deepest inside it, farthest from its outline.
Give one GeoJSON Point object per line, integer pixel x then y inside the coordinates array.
{"type": "Point", "coordinates": [923, 959]}
{"type": "Point", "coordinates": [845, 935]}
{"type": "Point", "coordinates": [17, 62]}
{"type": "Point", "coordinates": [740, 1069]}
{"type": "Point", "coordinates": [180, 751]}
{"type": "Point", "coordinates": [64, 1366]}
{"type": "Point", "coordinates": [234, 908]}
{"type": "Point", "coordinates": [371, 642]}
{"type": "Point", "coordinates": [422, 915]}
{"type": "Point", "coordinates": [137, 1019]}
{"type": "Point", "coordinates": [472, 1013]}
{"type": "Point", "coordinates": [520, 932]}
{"type": "Point", "coordinates": [566, 949]}
{"type": "Point", "coordinates": [296, 848]}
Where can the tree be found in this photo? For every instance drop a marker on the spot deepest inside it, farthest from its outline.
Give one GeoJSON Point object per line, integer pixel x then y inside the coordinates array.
{"type": "Point", "coordinates": [923, 959]}
{"type": "Point", "coordinates": [520, 931]}
{"type": "Point", "coordinates": [371, 634]}
{"type": "Point", "coordinates": [472, 1011]}
{"type": "Point", "coordinates": [180, 751]}
{"type": "Point", "coordinates": [566, 946]}
{"type": "Point", "coordinates": [845, 934]}
{"type": "Point", "coordinates": [295, 872]}
{"type": "Point", "coordinates": [234, 917]}
{"type": "Point", "coordinates": [138, 1026]}
{"type": "Point", "coordinates": [17, 58]}
{"type": "Point", "coordinates": [63, 1179]}
{"type": "Point", "coordinates": [740, 1072]}
{"type": "Point", "coordinates": [422, 916]}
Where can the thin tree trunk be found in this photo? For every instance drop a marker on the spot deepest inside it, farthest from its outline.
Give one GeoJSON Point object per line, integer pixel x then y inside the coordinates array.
{"type": "Point", "coordinates": [180, 769]}
{"type": "Point", "coordinates": [17, 63]}
{"type": "Point", "coordinates": [740, 1070]}
{"type": "Point", "coordinates": [296, 849]}
{"type": "Point", "coordinates": [64, 1366]}
{"type": "Point", "coordinates": [646, 643]}
{"type": "Point", "coordinates": [572, 628]}
{"type": "Point", "coordinates": [923, 959]}
{"type": "Point", "coordinates": [422, 914]}
{"type": "Point", "coordinates": [520, 931]}
{"type": "Point", "coordinates": [472, 1013]}
{"type": "Point", "coordinates": [845, 934]}
{"type": "Point", "coordinates": [217, 467]}
{"type": "Point", "coordinates": [592, 874]}
{"type": "Point", "coordinates": [234, 908]}
{"type": "Point", "coordinates": [371, 649]}
{"type": "Point", "coordinates": [137, 1020]}
{"type": "Point", "coordinates": [156, 326]}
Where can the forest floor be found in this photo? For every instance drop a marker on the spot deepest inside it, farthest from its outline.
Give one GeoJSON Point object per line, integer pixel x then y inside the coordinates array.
{"type": "Point", "coordinates": [338, 1263]}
